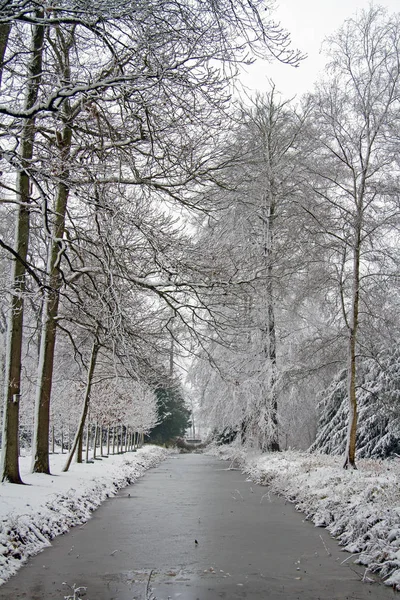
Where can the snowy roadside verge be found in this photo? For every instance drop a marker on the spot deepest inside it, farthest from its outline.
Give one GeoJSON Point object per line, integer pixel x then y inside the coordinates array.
{"type": "Point", "coordinates": [32, 515]}
{"type": "Point", "coordinates": [361, 509]}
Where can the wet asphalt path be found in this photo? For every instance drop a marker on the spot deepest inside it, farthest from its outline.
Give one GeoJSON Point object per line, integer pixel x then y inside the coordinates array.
{"type": "Point", "coordinates": [141, 545]}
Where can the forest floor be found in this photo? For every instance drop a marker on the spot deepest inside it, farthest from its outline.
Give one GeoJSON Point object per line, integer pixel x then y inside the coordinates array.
{"type": "Point", "coordinates": [33, 514]}
{"type": "Point", "coordinates": [360, 508]}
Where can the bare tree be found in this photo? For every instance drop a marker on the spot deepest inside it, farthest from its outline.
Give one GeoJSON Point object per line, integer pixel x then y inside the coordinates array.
{"type": "Point", "coordinates": [9, 464]}
{"type": "Point", "coordinates": [350, 167]}
{"type": "Point", "coordinates": [63, 43]}
{"type": "Point", "coordinates": [274, 128]}
{"type": "Point", "coordinates": [256, 229]}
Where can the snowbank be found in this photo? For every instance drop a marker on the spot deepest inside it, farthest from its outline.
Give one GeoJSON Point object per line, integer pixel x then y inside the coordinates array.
{"type": "Point", "coordinates": [360, 508]}
{"type": "Point", "coordinates": [32, 515]}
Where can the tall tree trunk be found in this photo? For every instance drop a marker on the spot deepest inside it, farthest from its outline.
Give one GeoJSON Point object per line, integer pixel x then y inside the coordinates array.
{"type": "Point", "coordinates": [269, 436]}
{"type": "Point", "coordinates": [273, 441]}
{"type": "Point", "coordinates": [40, 451]}
{"type": "Point", "coordinates": [85, 408]}
{"type": "Point", "coordinates": [48, 338]}
{"type": "Point", "coordinates": [350, 453]}
{"type": "Point", "coordinates": [5, 29]}
{"type": "Point", "coordinates": [9, 460]}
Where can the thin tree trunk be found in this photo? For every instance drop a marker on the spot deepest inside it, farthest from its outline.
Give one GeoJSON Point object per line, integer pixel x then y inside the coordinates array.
{"type": "Point", "coordinates": [96, 433]}
{"type": "Point", "coordinates": [40, 462]}
{"type": "Point", "coordinates": [108, 440]}
{"type": "Point", "coordinates": [243, 431]}
{"type": "Point", "coordinates": [193, 426]}
{"type": "Point", "coordinates": [350, 453]}
{"type": "Point", "coordinates": [9, 461]}
{"type": "Point", "coordinates": [171, 355]}
{"type": "Point", "coordinates": [85, 408]}
{"type": "Point", "coordinates": [87, 442]}
{"type": "Point", "coordinates": [273, 441]}
{"type": "Point", "coordinates": [101, 441]}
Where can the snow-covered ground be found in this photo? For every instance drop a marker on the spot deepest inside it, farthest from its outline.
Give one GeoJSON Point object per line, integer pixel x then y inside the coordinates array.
{"type": "Point", "coordinates": [360, 508]}
{"type": "Point", "coordinates": [32, 515]}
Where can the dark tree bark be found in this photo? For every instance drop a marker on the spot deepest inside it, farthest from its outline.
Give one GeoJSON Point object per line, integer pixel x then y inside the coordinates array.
{"type": "Point", "coordinates": [40, 451]}
{"type": "Point", "coordinates": [9, 463]}
{"type": "Point", "coordinates": [5, 29]}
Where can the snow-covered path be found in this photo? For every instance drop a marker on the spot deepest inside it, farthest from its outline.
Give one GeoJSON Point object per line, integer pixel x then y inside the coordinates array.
{"type": "Point", "coordinates": [141, 544]}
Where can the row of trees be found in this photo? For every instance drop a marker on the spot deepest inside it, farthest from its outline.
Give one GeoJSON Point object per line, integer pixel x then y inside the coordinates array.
{"type": "Point", "coordinates": [111, 136]}
{"type": "Point", "coordinates": [154, 220]}
{"type": "Point", "coordinates": [311, 221]}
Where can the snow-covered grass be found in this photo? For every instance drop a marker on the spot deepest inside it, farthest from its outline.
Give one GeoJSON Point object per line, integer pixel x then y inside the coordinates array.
{"type": "Point", "coordinates": [32, 515]}
{"type": "Point", "coordinates": [360, 508]}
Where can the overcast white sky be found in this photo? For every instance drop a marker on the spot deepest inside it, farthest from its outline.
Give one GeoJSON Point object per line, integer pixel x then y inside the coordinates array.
{"type": "Point", "coordinates": [309, 22]}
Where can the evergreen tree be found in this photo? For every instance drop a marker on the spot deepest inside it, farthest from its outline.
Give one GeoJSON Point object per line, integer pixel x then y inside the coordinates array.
{"type": "Point", "coordinates": [173, 415]}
